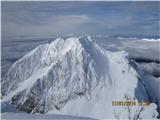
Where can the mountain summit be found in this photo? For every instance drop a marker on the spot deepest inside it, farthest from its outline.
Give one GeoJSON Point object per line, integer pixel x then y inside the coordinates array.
{"type": "Point", "coordinates": [78, 77]}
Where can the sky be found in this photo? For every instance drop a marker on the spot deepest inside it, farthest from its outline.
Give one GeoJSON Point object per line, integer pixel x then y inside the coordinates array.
{"type": "Point", "coordinates": [40, 18]}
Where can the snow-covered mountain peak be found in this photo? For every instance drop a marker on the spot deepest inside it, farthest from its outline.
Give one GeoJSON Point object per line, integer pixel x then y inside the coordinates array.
{"type": "Point", "coordinates": [74, 76]}
{"type": "Point", "coordinates": [72, 52]}
{"type": "Point", "coordinates": [60, 47]}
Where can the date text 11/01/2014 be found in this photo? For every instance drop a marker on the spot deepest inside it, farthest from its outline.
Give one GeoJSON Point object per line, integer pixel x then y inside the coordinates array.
{"type": "Point", "coordinates": [130, 103]}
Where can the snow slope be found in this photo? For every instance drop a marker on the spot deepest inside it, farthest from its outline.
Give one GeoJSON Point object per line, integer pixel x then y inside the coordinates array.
{"type": "Point", "coordinates": [76, 76]}
{"type": "Point", "coordinates": [146, 55]}
{"type": "Point", "coordinates": [8, 112]}
{"type": "Point", "coordinates": [24, 116]}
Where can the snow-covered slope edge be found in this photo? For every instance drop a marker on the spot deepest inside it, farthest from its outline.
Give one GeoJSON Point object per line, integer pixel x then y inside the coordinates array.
{"type": "Point", "coordinates": [24, 116]}
{"type": "Point", "coordinates": [76, 77]}
{"type": "Point", "coordinates": [8, 112]}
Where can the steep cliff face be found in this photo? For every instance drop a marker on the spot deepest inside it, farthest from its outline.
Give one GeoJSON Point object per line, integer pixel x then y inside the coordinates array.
{"type": "Point", "coordinates": [76, 76]}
